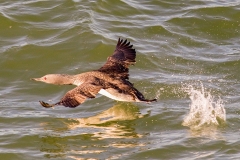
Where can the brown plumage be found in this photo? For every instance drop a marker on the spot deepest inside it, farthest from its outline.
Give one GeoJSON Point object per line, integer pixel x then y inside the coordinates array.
{"type": "Point", "coordinates": [117, 64]}
{"type": "Point", "coordinates": [110, 80]}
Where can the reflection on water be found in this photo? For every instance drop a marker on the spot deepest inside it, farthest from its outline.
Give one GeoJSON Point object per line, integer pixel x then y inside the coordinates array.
{"type": "Point", "coordinates": [211, 132]}
{"type": "Point", "coordinates": [109, 122]}
{"type": "Point", "coordinates": [113, 123]}
{"type": "Point", "coordinates": [117, 112]}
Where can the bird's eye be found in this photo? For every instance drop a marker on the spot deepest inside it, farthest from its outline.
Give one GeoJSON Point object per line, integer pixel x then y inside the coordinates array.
{"type": "Point", "coordinates": [45, 78]}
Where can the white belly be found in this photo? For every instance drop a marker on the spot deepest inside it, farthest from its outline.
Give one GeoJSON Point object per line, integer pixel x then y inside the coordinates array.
{"type": "Point", "coordinates": [113, 94]}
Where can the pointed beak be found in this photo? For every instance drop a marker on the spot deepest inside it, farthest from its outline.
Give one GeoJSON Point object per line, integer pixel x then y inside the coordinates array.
{"type": "Point", "coordinates": [35, 79]}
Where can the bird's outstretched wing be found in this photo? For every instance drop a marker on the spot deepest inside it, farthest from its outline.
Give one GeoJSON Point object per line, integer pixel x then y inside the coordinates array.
{"type": "Point", "coordinates": [76, 96]}
{"type": "Point", "coordinates": [117, 64]}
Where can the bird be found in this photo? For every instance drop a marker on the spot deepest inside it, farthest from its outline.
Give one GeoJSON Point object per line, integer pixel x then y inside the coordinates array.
{"type": "Point", "coordinates": [110, 80]}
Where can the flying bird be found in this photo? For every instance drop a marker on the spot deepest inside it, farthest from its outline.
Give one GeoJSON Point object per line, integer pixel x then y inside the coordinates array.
{"type": "Point", "coordinates": [111, 80]}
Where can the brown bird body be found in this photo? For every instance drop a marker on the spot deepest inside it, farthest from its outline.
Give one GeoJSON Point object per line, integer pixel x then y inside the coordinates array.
{"type": "Point", "coordinates": [110, 80]}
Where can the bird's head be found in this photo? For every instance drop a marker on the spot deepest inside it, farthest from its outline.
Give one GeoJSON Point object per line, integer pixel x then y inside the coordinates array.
{"type": "Point", "coordinates": [58, 79]}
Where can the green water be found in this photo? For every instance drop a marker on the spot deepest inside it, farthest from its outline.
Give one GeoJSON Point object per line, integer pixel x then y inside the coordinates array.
{"type": "Point", "coordinates": [179, 44]}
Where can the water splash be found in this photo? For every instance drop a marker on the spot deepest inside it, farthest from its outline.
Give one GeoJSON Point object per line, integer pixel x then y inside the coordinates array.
{"type": "Point", "coordinates": [204, 110]}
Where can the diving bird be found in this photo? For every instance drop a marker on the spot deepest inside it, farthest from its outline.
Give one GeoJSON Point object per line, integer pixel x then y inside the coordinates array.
{"type": "Point", "coordinates": [111, 80]}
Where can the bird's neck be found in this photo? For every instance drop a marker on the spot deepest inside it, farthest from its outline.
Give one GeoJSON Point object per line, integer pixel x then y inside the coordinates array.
{"type": "Point", "coordinates": [64, 79]}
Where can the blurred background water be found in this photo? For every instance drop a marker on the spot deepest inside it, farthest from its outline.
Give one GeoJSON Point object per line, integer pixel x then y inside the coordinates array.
{"type": "Point", "coordinates": [188, 56]}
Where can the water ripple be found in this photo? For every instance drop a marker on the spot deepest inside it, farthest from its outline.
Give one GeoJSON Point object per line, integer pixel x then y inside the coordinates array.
{"type": "Point", "coordinates": [177, 43]}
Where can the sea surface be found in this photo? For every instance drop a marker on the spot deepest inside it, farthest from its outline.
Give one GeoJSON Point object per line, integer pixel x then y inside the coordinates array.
{"type": "Point", "coordinates": [188, 57]}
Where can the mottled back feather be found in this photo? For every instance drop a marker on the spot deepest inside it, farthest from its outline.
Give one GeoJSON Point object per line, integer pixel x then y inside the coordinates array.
{"type": "Point", "coordinates": [78, 95]}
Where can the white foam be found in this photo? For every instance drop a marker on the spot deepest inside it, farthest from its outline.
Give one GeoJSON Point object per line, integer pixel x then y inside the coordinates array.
{"type": "Point", "coordinates": [204, 109]}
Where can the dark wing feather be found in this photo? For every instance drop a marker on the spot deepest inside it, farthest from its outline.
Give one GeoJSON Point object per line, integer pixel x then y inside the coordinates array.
{"type": "Point", "coordinates": [123, 56]}
{"type": "Point", "coordinates": [78, 95]}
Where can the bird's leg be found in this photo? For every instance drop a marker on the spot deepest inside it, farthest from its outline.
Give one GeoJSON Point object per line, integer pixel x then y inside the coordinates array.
{"type": "Point", "coordinates": [151, 100]}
